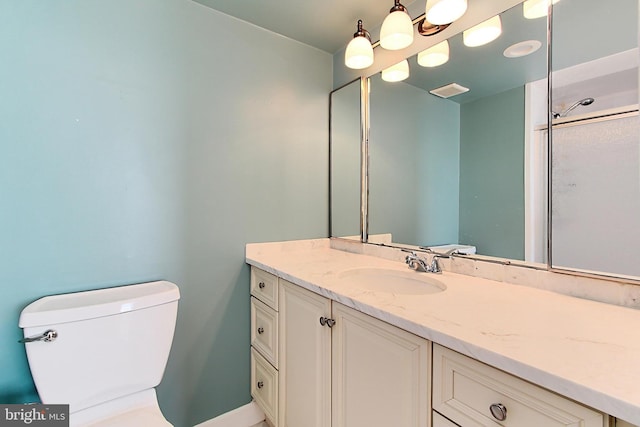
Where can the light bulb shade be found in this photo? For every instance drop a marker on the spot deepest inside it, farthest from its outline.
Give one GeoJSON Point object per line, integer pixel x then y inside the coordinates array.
{"type": "Point", "coordinates": [483, 33]}
{"type": "Point", "coordinates": [359, 53]}
{"type": "Point", "coordinates": [533, 9]}
{"type": "Point", "coordinates": [397, 31]}
{"type": "Point", "coordinates": [440, 12]}
{"type": "Point", "coordinates": [435, 55]}
{"type": "Point", "coordinates": [397, 72]}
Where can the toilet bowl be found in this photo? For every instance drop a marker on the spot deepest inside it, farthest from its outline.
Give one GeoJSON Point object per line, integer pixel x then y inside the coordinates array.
{"type": "Point", "coordinates": [103, 352]}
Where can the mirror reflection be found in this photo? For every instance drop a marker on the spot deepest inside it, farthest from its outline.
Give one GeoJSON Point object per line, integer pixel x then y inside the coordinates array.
{"type": "Point", "coordinates": [344, 170]}
{"type": "Point", "coordinates": [595, 192]}
{"type": "Point", "coordinates": [472, 169]}
{"type": "Point", "coordinates": [451, 170]}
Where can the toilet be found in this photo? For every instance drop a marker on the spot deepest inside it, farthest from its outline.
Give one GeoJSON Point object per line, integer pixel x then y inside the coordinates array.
{"type": "Point", "coordinates": [103, 352]}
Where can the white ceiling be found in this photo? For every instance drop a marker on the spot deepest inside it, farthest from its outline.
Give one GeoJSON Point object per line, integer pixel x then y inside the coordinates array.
{"type": "Point", "coordinates": [325, 24]}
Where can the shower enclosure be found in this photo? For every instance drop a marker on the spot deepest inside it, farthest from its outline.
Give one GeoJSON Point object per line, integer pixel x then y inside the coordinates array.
{"type": "Point", "coordinates": [596, 192]}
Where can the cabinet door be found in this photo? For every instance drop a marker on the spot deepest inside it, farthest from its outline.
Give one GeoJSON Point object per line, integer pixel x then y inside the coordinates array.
{"type": "Point", "coordinates": [380, 374]}
{"type": "Point", "coordinates": [305, 358]}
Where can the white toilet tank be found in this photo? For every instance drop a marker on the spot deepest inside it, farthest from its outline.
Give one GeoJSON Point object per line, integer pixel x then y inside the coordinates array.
{"type": "Point", "coordinates": [110, 342]}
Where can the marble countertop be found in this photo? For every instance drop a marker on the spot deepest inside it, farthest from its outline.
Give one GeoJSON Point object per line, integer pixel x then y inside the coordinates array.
{"type": "Point", "coordinates": [585, 350]}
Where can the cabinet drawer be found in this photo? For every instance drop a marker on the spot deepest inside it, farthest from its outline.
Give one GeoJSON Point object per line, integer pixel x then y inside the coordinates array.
{"type": "Point", "coordinates": [440, 421]}
{"type": "Point", "coordinates": [264, 330]}
{"type": "Point", "coordinates": [264, 286]}
{"type": "Point", "coordinates": [465, 391]}
{"type": "Point", "coordinates": [264, 386]}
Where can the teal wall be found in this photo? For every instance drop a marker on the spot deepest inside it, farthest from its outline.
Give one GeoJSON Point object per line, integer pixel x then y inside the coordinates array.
{"type": "Point", "coordinates": [146, 140]}
{"type": "Point", "coordinates": [492, 174]}
{"type": "Point", "coordinates": [414, 164]}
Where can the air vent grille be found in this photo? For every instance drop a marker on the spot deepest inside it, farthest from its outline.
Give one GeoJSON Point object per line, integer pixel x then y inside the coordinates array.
{"type": "Point", "coordinates": [449, 90]}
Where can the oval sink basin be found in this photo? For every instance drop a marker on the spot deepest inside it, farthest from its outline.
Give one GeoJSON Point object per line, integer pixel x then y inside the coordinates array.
{"type": "Point", "coordinates": [392, 281]}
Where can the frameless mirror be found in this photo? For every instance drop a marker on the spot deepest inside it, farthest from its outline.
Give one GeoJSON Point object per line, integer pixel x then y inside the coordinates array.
{"type": "Point", "coordinates": [344, 161]}
{"type": "Point", "coordinates": [595, 172]}
{"type": "Point", "coordinates": [459, 170]}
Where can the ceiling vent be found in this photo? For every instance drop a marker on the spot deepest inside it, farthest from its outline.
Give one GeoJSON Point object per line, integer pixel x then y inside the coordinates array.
{"type": "Point", "coordinates": [449, 90]}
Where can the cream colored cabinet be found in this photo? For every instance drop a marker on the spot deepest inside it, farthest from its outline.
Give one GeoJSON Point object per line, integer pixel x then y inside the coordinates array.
{"type": "Point", "coordinates": [380, 373]}
{"type": "Point", "coordinates": [264, 330]}
{"type": "Point", "coordinates": [264, 286]}
{"type": "Point", "coordinates": [264, 342]}
{"type": "Point", "coordinates": [440, 421]}
{"type": "Point", "coordinates": [473, 394]}
{"type": "Point", "coordinates": [305, 354]}
{"type": "Point", "coordinates": [264, 386]}
{"type": "Point", "coordinates": [342, 368]}
{"type": "Point", "coordinates": [318, 363]}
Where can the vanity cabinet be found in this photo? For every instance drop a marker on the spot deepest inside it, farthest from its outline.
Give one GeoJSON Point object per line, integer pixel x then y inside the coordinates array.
{"type": "Point", "coordinates": [440, 421]}
{"type": "Point", "coordinates": [264, 342]}
{"type": "Point", "coordinates": [318, 363]}
{"type": "Point", "coordinates": [342, 368]}
{"type": "Point", "coordinates": [380, 373]}
{"type": "Point", "coordinates": [473, 394]}
{"type": "Point", "coordinates": [305, 349]}
{"type": "Point", "coordinates": [336, 366]}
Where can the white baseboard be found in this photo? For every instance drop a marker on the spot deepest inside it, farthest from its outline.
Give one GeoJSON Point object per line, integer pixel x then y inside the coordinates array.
{"type": "Point", "coordinates": [245, 416]}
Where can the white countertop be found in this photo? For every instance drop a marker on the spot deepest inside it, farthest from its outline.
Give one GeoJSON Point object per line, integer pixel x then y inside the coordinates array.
{"type": "Point", "coordinates": [585, 350]}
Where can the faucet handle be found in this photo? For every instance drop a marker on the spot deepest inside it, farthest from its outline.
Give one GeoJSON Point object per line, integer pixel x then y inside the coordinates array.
{"type": "Point", "coordinates": [435, 266]}
{"type": "Point", "coordinates": [412, 255]}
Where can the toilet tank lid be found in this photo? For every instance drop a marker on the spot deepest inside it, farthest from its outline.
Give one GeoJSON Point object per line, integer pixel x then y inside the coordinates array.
{"type": "Point", "coordinates": [86, 305]}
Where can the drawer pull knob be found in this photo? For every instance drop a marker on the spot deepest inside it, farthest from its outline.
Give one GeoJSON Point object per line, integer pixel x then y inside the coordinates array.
{"type": "Point", "coordinates": [499, 411]}
{"type": "Point", "coordinates": [260, 330]}
{"type": "Point", "coordinates": [260, 384]}
{"type": "Point", "coordinates": [261, 285]}
{"type": "Point", "coordinates": [328, 322]}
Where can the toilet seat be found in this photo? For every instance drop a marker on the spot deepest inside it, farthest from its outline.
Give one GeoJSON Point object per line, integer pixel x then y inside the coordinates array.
{"type": "Point", "coordinates": [138, 409]}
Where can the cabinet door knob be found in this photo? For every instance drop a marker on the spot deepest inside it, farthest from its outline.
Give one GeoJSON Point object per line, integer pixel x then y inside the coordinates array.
{"type": "Point", "coordinates": [499, 411]}
{"type": "Point", "coordinates": [328, 322]}
{"type": "Point", "coordinates": [261, 285]}
{"type": "Point", "coordinates": [260, 330]}
{"type": "Point", "coordinates": [260, 384]}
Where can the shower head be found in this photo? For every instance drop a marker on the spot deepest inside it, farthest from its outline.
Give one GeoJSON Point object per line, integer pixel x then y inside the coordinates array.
{"type": "Point", "coordinates": [586, 101]}
{"type": "Point", "coordinates": [583, 102]}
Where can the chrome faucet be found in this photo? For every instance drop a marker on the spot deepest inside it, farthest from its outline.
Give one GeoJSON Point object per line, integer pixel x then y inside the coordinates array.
{"type": "Point", "coordinates": [420, 264]}
{"type": "Point", "coordinates": [416, 263]}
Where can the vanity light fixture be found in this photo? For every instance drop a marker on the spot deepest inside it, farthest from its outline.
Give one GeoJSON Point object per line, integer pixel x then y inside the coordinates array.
{"type": "Point", "coordinates": [359, 52]}
{"type": "Point", "coordinates": [397, 72]}
{"type": "Point", "coordinates": [397, 29]}
{"type": "Point", "coordinates": [435, 55]}
{"type": "Point", "coordinates": [483, 33]}
{"type": "Point", "coordinates": [533, 9]}
{"type": "Point", "coordinates": [439, 12]}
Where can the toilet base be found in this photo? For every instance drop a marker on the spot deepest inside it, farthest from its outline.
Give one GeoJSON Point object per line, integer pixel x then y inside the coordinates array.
{"type": "Point", "coordinates": [135, 410]}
